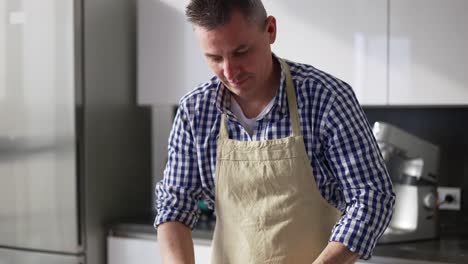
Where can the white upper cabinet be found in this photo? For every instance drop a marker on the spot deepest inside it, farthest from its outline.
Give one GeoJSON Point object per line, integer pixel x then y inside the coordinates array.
{"type": "Point", "coordinates": [428, 52]}
{"type": "Point", "coordinates": [170, 63]}
{"type": "Point", "coordinates": [347, 39]}
{"type": "Point", "coordinates": [392, 52]}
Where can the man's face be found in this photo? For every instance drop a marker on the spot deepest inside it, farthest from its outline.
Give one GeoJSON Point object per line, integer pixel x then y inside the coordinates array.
{"type": "Point", "coordinates": [239, 53]}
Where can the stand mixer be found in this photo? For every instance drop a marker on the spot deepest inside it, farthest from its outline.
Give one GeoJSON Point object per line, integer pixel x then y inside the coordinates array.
{"type": "Point", "coordinates": [412, 164]}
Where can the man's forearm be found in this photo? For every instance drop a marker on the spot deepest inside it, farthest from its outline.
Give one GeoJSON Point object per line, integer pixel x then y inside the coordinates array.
{"type": "Point", "coordinates": [336, 253]}
{"type": "Point", "coordinates": [175, 243]}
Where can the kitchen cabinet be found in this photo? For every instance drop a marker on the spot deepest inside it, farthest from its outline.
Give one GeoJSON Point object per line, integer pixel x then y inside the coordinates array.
{"type": "Point", "coordinates": [122, 250]}
{"type": "Point", "coordinates": [170, 62]}
{"type": "Point", "coordinates": [125, 250]}
{"type": "Point", "coordinates": [428, 58]}
{"type": "Point", "coordinates": [347, 39]}
{"type": "Point", "coordinates": [392, 52]}
{"type": "Point", "coordinates": [129, 243]}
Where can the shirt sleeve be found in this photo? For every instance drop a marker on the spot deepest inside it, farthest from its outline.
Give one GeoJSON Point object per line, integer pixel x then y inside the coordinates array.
{"type": "Point", "coordinates": [178, 193]}
{"type": "Point", "coordinates": [354, 157]}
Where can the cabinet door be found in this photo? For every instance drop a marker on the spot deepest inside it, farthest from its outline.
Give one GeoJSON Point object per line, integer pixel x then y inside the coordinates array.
{"type": "Point", "coordinates": [170, 63]}
{"type": "Point", "coordinates": [347, 39]}
{"type": "Point", "coordinates": [202, 252]}
{"type": "Point", "coordinates": [132, 250]}
{"type": "Point", "coordinates": [428, 52]}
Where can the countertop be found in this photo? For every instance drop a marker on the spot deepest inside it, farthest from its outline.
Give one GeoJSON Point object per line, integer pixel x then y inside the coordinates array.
{"type": "Point", "coordinates": [444, 250]}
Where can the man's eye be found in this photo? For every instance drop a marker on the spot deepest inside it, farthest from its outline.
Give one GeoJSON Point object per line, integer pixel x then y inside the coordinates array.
{"type": "Point", "coordinates": [216, 59]}
{"type": "Point", "coordinates": [242, 52]}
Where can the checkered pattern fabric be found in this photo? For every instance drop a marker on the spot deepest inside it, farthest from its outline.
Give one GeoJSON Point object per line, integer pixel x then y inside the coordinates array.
{"type": "Point", "coordinates": [342, 150]}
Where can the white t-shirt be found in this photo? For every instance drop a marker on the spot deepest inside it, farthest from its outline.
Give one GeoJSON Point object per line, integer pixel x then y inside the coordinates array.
{"type": "Point", "coordinates": [249, 123]}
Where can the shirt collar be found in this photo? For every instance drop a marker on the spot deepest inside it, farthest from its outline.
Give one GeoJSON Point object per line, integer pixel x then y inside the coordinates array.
{"type": "Point", "coordinates": [223, 96]}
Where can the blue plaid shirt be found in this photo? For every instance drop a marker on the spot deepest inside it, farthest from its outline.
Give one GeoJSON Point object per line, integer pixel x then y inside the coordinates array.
{"type": "Point", "coordinates": [343, 153]}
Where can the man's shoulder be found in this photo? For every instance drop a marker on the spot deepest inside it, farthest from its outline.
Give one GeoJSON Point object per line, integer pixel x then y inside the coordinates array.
{"type": "Point", "coordinates": [204, 93]}
{"type": "Point", "coordinates": [310, 76]}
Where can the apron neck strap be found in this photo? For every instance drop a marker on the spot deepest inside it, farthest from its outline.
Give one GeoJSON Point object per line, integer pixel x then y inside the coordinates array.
{"type": "Point", "coordinates": [292, 106]}
{"type": "Point", "coordinates": [292, 102]}
{"type": "Point", "coordinates": [223, 133]}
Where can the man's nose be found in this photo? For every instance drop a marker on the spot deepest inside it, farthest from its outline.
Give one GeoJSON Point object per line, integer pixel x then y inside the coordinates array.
{"type": "Point", "coordinates": [231, 69]}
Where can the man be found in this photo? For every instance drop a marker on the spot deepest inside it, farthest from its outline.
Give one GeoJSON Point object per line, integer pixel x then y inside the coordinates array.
{"type": "Point", "coordinates": [263, 142]}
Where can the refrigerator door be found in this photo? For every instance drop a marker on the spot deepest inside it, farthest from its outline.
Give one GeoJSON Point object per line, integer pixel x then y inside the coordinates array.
{"type": "Point", "coordinates": [8, 256]}
{"type": "Point", "coordinates": [38, 178]}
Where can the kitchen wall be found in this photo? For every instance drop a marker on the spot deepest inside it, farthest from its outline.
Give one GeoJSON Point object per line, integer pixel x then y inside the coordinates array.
{"type": "Point", "coordinates": [447, 128]}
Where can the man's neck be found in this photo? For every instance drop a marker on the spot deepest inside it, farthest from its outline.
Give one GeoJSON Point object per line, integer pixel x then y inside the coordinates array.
{"type": "Point", "coordinates": [253, 106]}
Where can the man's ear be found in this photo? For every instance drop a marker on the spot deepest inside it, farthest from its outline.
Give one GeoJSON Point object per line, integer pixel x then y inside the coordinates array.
{"type": "Point", "coordinates": [271, 28]}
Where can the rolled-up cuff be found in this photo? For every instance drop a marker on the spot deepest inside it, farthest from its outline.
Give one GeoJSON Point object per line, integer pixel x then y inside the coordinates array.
{"type": "Point", "coordinates": [355, 235]}
{"type": "Point", "coordinates": [188, 219]}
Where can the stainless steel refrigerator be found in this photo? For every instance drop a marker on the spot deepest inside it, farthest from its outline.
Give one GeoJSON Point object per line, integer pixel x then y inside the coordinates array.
{"type": "Point", "coordinates": [74, 148]}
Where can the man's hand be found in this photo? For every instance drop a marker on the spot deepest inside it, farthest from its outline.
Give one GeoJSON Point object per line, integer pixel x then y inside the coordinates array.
{"type": "Point", "coordinates": [175, 243]}
{"type": "Point", "coordinates": [336, 253]}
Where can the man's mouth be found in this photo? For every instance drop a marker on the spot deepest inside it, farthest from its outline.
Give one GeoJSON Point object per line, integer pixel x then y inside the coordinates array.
{"type": "Point", "coordinates": [238, 82]}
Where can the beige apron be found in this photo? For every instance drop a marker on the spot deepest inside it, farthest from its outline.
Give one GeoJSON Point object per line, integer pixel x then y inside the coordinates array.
{"type": "Point", "coordinates": [268, 206]}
